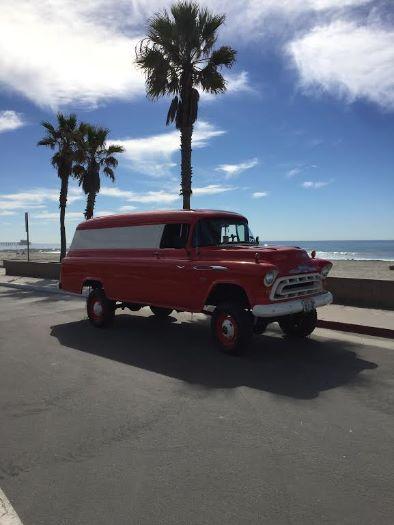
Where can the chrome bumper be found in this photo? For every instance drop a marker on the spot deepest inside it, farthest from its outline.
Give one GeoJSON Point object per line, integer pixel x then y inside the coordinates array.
{"type": "Point", "coordinates": [292, 307]}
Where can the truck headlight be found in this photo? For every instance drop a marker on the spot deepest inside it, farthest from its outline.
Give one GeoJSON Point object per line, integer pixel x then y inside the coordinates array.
{"type": "Point", "coordinates": [326, 270]}
{"type": "Point", "coordinates": [270, 277]}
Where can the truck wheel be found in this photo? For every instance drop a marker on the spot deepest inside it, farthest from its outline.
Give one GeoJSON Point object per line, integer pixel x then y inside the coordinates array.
{"type": "Point", "coordinates": [160, 313]}
{"type": "Point", "coordinates": [101, 310]}
{"type": "Point", "coordinates": [299, 325]}
{"type": "Point", "coordinates": [232, 328]}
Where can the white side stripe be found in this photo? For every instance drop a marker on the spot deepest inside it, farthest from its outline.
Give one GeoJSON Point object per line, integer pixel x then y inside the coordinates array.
{"type": "Point", "coordinates": [7, 514]}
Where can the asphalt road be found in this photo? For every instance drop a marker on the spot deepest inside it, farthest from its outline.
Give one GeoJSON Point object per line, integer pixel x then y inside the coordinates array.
{"type": "Point", "coordinates": [146, 423]}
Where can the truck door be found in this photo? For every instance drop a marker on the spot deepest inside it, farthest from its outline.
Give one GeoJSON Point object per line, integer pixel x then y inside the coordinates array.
{"type": "Point", "coordinates": [173, 266]}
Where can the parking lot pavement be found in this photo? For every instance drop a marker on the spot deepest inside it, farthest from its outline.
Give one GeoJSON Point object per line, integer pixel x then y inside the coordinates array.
{"type": "Point", "coordinates": [145, 422]}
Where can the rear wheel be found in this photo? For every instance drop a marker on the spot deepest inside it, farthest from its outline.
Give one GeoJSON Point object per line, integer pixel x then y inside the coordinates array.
{"type": "Point", "coordinates": [299, 325]}
{"type": "Point", "coordinates": [161, 313]}
{"type": "Point", "coordinates": [100, 310]}
{"type": "Point", "coordinates": [232, 328]}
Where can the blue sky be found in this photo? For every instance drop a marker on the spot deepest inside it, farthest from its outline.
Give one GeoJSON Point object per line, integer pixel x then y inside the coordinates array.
{"type": "Point", "coordinates": [302, 143]}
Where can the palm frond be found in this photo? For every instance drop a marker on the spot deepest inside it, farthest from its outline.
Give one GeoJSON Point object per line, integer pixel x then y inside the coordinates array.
{"type": "Point", "coordinates": [114, 148]}
{"type": "Point", "coordinates": [172, 111]}
{"type": "Point", "coordinates": [48, 126]}
{"type": "Point", "coordinates": [209, 31]}
{"type": "Point", "coordinates": [211, 80]}
{"type": "Point", "coordinates": [47, 141]}
{"type": "Point", "coordinates": [110, 173]}
{"type": "Point", "coordinates": [224, 56]}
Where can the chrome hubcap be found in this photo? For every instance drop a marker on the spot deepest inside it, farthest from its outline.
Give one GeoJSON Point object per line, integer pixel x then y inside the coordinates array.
{"type": "Point", "coordinates": [228, 329]}
{"type": "Point", "coordinates": [97, 309]}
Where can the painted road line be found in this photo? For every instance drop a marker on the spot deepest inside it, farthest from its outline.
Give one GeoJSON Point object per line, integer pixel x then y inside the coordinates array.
{"type": "Point", "coordinates": [8, 516]}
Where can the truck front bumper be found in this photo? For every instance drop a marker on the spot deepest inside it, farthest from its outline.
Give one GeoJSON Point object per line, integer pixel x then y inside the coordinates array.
{"type": "Point", "coordinates": [292, 307]}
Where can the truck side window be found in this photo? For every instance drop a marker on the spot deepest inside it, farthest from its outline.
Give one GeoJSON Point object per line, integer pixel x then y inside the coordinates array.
{"type": "Point", "coordinates": [174, 236]}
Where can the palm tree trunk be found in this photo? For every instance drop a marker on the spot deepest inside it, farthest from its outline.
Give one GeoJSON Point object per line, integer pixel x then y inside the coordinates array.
{"type": "Point", "coordinates": [62, 206]}
{"type": "Point", "coordinates": [90, 205]}
{"type": "Point", "coordinates": [186, 165]}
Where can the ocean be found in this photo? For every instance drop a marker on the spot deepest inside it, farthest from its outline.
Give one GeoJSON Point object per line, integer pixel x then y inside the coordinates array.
{"type": "Point", "coordinates": [345, 250]}
{"type": "Point", "coordinates": [335, 250]}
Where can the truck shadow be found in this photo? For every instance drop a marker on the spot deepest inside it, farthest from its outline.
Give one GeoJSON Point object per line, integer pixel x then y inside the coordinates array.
{"type": "Point", "coordinates": [183, 350]}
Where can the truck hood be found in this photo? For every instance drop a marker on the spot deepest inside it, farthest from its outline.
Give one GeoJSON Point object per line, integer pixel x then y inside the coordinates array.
{"type": "Point", "coordinates": [285, 258]}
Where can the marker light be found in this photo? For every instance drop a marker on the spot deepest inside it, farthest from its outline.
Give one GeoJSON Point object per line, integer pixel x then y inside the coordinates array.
{"type": "Point", "coordinates": [270, 277]}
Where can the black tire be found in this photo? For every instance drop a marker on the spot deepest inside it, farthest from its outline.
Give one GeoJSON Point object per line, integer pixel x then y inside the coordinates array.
{"type": "Point", "coordinates": [259, 326]}
{"type": "Point", "coordinates": [161, 313]}
{"type": "Point", "coordinates": [100, 310]}
{"type": "Point", "coordinates": [232, 328]}
{"type": "Point", "coordinates": [299, 325]}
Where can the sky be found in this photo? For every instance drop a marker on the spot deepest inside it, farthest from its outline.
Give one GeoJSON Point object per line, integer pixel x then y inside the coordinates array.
{"type": "Point", "coordinates": [302, 143]}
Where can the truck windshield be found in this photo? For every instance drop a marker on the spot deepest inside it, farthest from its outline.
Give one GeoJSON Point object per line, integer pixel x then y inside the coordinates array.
{"type": "Point", "coordinates": [222, 231]}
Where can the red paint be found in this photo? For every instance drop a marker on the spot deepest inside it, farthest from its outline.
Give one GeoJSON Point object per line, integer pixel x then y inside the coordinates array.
{"type": "Point", "coordinates": [183, 278]}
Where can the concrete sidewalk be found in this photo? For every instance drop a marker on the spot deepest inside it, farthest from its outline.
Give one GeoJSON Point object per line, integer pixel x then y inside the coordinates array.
{"type": "Point", "coordinates": [365, 321]}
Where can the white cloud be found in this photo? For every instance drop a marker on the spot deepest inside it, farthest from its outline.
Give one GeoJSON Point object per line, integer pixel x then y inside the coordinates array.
{"type": "Point", "coordinates": [160, 196]}
{"type": "Point", "coordinates": [58, 52]}
{"type": "Point", "coordinates": [153, 155]}
{"type": "Point", "coordinates": [54, 216]}
{"type": "Point", "coordinates": [127, 208]}
{"type": "Point", "coordinates": [148, 197]}
{"type": "Point", "coordinates": [349, 60]}
{"type": "Point", "coordinates": [212, 189]}
{"type": "Point", "coordinates": [293, 172]}
{"type": "Point", "coordinates": [6, 213]}
{"type": "Point", "coordinates": [35, 198]}
{"type": "Point", "coordinates": [259, 194]}
{"type": "Point", "coordinates": [10, 120]}
{"type": "Point", "coordinates": [232, 170]}
{"type": "Point", "coordinates": [55, 52]}
{"type": "Point", "coordinates": [309, 184]}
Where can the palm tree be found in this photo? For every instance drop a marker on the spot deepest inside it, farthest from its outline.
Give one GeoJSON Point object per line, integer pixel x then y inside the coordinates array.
{"type": "Point", "coordinates": [93, 156]}
{"type": "Point", "coordinates": [178, 59]}
{"type": "Point", "coordinates": [63, 139]}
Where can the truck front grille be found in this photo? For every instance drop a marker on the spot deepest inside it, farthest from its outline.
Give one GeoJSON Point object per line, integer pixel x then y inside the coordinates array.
{"type": "Point", "coordinates": [293, 286]}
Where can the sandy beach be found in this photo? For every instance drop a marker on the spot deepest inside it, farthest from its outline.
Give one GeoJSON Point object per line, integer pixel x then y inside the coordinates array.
{"type": "Point", "coordinates": [350, 269]}
{"type": "Point", "coordinates": [363, 270]}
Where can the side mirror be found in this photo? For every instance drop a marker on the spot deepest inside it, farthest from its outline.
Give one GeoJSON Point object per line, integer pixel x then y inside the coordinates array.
{"type": "Point", "coordinates": [257, 240]}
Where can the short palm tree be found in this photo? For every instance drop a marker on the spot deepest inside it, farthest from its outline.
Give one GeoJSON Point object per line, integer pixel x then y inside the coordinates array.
{"type": "Point", "coordinates": [63, 138]}
{"type": "Point", "coordinates": [178, 59]}
{"type": "Point", "coordinates": [93, 156]}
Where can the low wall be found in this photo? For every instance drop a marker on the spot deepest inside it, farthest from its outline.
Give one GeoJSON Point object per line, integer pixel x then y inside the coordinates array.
{"type": "Point", "coordinates": [368, 293]}
{"type": "Point", "coordinates": [45, 270]}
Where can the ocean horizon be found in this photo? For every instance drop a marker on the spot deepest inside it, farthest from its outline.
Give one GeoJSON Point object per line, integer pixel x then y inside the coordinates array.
{"type": "Point", "coordinates": [334, 250]}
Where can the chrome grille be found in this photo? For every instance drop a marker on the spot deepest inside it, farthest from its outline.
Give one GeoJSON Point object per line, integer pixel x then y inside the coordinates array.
{"type": "Point", "coordinates": [293, 286]}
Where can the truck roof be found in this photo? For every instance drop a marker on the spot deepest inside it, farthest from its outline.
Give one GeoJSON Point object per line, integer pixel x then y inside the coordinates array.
{"type": "Point", "coordinates": [154, 217]}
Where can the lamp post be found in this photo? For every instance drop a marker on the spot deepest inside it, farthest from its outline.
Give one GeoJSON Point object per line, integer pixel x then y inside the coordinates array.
{"type": "Point", "coordinates": [27, 235]}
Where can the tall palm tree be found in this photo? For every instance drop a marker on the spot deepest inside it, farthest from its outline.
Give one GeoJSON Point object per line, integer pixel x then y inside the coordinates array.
{"type": "Point", "coordinates": [93, 156]}
{"type": "Point", "coordinates": [63, 138]}
{"type": "Point", "coordinates": [178, 59]}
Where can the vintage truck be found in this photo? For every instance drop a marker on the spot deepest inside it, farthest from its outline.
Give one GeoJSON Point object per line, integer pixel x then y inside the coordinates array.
{"type": "Point", "coordinates": [195, 261]}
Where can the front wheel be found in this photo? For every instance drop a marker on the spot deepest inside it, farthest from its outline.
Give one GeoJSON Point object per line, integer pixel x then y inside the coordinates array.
{"type": "Point", "coordinates": [100, 310]}
{"type": "Point", "coordinates": [232, 328]}
{"type": "Point", "coordinates": [299, 325]}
